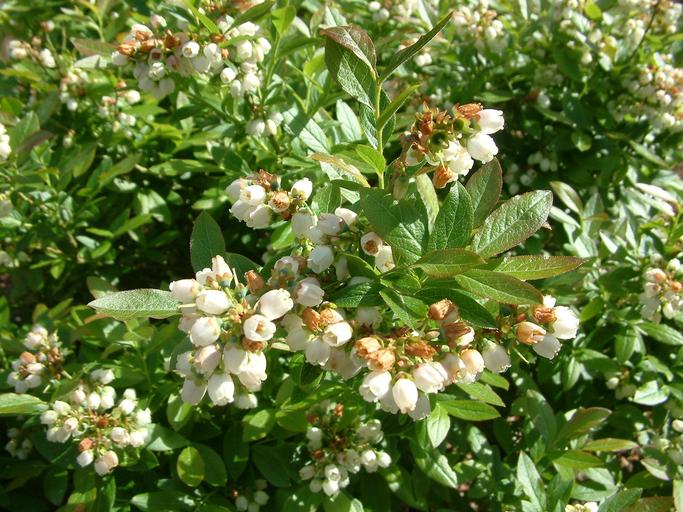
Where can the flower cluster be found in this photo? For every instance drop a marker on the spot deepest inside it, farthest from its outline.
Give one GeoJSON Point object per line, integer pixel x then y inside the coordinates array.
{"type": "Point", "coordinates": [543, 326]}
{"type": "Point", "coordinates": [663, 292]}
{"type": "Point", "coordinates": [481, 24]}
{"type": "Point", "coordinates": [102, 427]}
{"type": "Point", "coordinates": [16, 446]}
{"type": "Point", "coordinates": [40, 363]}
{"type": "Point", "coordinates": [251, 500]}
{"type": "Point", "coordinates": [159, 52]}
{"type": "Point", "coordinates": [337, 450]}
{"type": "Point", "coordinates": [257, 199]}
{"type": "Point", "coordinates": [451, 143]}
{"type": "Point", "coordinates": [5, 148]}
{"type": "Point", "coordinates": [18, 50]}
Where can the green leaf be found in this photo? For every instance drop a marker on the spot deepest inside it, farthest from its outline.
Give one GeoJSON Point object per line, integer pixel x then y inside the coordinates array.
{"type": "Point", "coordinates": [662, 333]}
{"type": "Point", "coordinates": [304, 127]}
{"type": "Point", "coordinates": [256, 12]}
{"type": "Point", "coordinates": [372, 156]}
{"type": "Point", "coordinates": [408, 309]}
{"type": "Point", "coordinates": [206, 242]}
{"type": "Point", "coordinates": [541, 415]}
{"type": "Point", "coordinates": [407, 53]}
{"type": "Point", "coordinates": [582, 421]}
{"type": "Point", "coordinates": [484, 188]}
{"type": "Point", "coordinates": [482, 392]}
{"type": "Point", "coordinates": [203, 19]}
{"type": "Point", "coordinates": [608, 444]}
{"type": "Point", "coordinates": [530, 481]}
{"type": "Point", "coordinates": [529, 268]}
{"type": "Point", "coordinates": [620, 500]}
{"type": "Point", "coordinates": [350, 57]}
{"type": "Point", "coordinates": [282, 18]}
{"type": "Point", "coordinates": [327, 199]}
{"type": "Point", "coordinates": [190, 466]}
{"type": "Point", "coordinates": [568, 196]}
{"type": "Point", "coordinates": [178, 413]}
{"type": "Point", "coordinates": [426, 194]}
{"type": "Point", "coordinates": [434, 464]}
{"type": "Point", "coordinates": [512, 223]}
{"type": "Point", "coordinates": [140, 303]}
{"type": "Point", "coordinates": [342, 503]}
{"type": "Point", "coordinates": [448, 262]}
{"type": "Point", "coordinates": [214, 468]}
{"type": "Point", "coordinates": [256, 425]}
{"type": "Point", "coordinates": [453, 226]}
{"type": "Point", "coordinates": [12, 404]}
{"type": "Point", "coordinates": [402, 225]}
{"type": "Point", "coordinates": [437, 424]}
{"type": "Point", "coordinates": [577, 459]}
{"type": "Point", "coordinates": [498, 286]}
{"type": "Point", "coordinates": [359, 295]}
{"type": "Point", "coordinates": [235, 451]}
{"type": "Point", "coordinates": [163, 439]}
{"type": "Point", "coordinates": [240, 264]}
{"type": "Point", "coordinates": [162, 500]}
{"type": "Point", "coordinates": [470, 309]}
{"type": "Point", "coordinates": [395, 104]}
{"type": "Point", "coordinates": [469, 410]}
{"type": "Point", "coordinates": [350, 126]}
{"type": "Point", "coordinates": [272, 465]}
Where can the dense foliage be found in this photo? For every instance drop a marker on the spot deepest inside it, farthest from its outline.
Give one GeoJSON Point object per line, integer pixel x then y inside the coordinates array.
{"type": "Point", "coordinates": [341, 256]}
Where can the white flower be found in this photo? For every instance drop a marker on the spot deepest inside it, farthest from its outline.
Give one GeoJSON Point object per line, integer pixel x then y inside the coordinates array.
{"type": "Point", "coordinates": [496, 358]}
{"type": "Point", "coordinates": [549, 346]}
{"type": "Point", "coordinates": [213, 302]}
{"type": "Point", "coordinates": [329, 224]}
{"type": "Point", "coordinates": [473, 360]}
{"type": "Point", "coordinates": [234, 190]}
{"type": "Point", "coordinates": [348, 216]}
{"type": "Point", "coordinates": [321, 258]}
{"type": "Point", "coordinates": [253, 195]}
{"type": "Point", "coordinates": [119, 435]}
{"type": "Point", "coordinates": [371, 243]}
{"type": "Point", "coordinates": [482, 147]}
{"type": "Point", "coordinates": [235, 359]}
{"type": "Point", "coordinates": [458, 159]}
{"type": "Point", "coordinates": [490, 121]}
{"type": "Point", "coordinates": [221, 269]}
{"type": "Point", "coordinates": [246, 401]}
{"type": "Point", "coordinates": [256, 127]}
{"type": "Point", "coordinates": [308, 292]}
{"type": "Point", "coordinates": [192, 392]}
{"type": "Point", "coordinates": [184, 290]}
{"type": "Point", "coordinates": [430, 377]}
{"type": "Point", "coordinates": [251, 82]}
{"type": "Point", "coordinates": [455, 368]}
{"type": "Point", "coordinates": [337, 334]}
{"type": "Point", "coordinates": [106, 463]}
{"type": "Point", "coordinates": [207, 359]}
{"type": "Point", "coordinates": [369, 316]}
{"type": "Point", "coordinates": [118, 59]}
{"type": "Point", "coordinates": [529, 333]}
{"type": "Point", "coordinates": [383, 458]}
{"type": "Point", "coordinates": [297, 338]}
{"type": "Point", "coordinates": [47, 59]}
{"type": "Point", "coordinates": [143, 417]}
{"type": "Point", "coordinates": [384, 261]}
{"type": "Point", "coordinates": [221, 389]}
{"type": "Point", "coordinates": [205, 331]}
{"type": "Point", "coordinates": [255, 371]}
{"type": "Point", "coordinates": [85, 458]}
{"type": "Point", "coordinates": [49, 417]}
{"type": "Point", "coordinates": [369, 460]}
{"type": "Point", "coordinates": [302, 222]}
{"type": "Point", "coordinates": [190, 49]}
{"type": "Point", "coordinates": [139, 438]}
{"type": "Point", "coordinates": [228, 75]}
{"type": "Point", "coordinates": [302, 189]}
{"type": "Point", "coordinates": [258, 328]}
{"type": "Point", "coordinates": [405, 394]}
{"type": "Point", "coordinates": [330, 487]}
{"type": "Point", "coordinates": [566, 323]}
{"type": "Point", "coordinates": [317, 352]}
{"type": "Point", "coordinates": [103, 376]}
{"type": "Point", "coordinates": [275, 303]}
{"type": "Point", "coordinates": [126, 406]}
{"type": "Point", "coordinates": [259, 217]}
{"type": "Point", "coordinates": [61, 407]}
{"type": "Point", "coordinates": [375, 386]}
{"type": "Point", "coordinates": [422, 409]}
{"type": "Point", "coordinates": [244, 49]}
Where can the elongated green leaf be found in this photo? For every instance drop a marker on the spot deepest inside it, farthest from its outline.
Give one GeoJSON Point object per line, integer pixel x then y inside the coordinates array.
{"type": "Point", "coordinates": [609, 444]}
{"type": "Point", "coordinates": [190, 466]}
{"type": "Point", "coordinates": [12, 404]}
{"type": "Point", "coordinates": [363, 294]}
{"type": "Point", "coordinates": [282, 18]}
{"type": "Point", "coordinates": [662, 333]}
{"type": "Point", "coordinates": [568, 196]}
{"type": "Point", "coordinates": [327, 199]}
{"type": "Point", "coordinates": [434, 464]}
{"type": "Point", "coordinates": [407, 53]}
{"type": "Point", "coordinates": [530, 480]}
{"type": "Point", "coordinates": [204, 19]}
{"type": "Point", "coordinates": [206, 241]}
{"type": "Point", "coordinates": [271, 465]}
{"type": "Point", "coordinates": [470, 309]}
{"type": "Point", "coordinates": [469, 410]}
{"type": "Point", "coordinates": [500, 287]}
{"type": "Point", "coordinates": [528, 268]}
{"type": "Point", "coordinates": [403, 225]}
{"type": "Point", "coordinates": [240, 264]}
{"type": "Point", "coordinates": [577, 459]}
{"type": "Point", "coordinates": [215, 473]}
{"type": "Point", "coordinates": [256, 12]}
{"type": "Point", "coordinates": [395, 104]}
{"type": "Point", "coordinates": [448, 262]}
{"type": "Point", "coordinates": [408, 309]}
{"type": "Point", "coordinates": [620, 500]}
{"type": "Point", "coordinates": [541, 415]}
{"type": "Point", "coordinates": [140, 303]}
{"type": "Point", "coordinates": [453, 226]}
{"type": "Point", "coordinates": [512, 223]}
{"type": "Point", "coordinates": [582, 421]}
{"type": "Point", "coordinates": [355, 40]}
{"type": "Point", "coordinates": [484, 188]}
{"type": "Point", "coordinates": [482, 392]}
{"type": "Point", "coordinates": [437, 425]}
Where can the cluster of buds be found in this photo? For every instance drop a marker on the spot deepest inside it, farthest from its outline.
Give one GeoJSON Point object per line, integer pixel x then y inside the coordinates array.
{"type": "Point", "coordinates": [480, 24]}
{"type": "Point", "coordinates": [257, 199]}
{"type": "Point", "coordinates": [451, 143]}
{"type": "Point", "coordinates": [101, 426]}
{"type": "Point", "coordinates": [116, 106]}
{"type": "Point", "coordinates": [41, 362]}
{"type": "Point", "coordinates": [16, 446]}
{"type": "Point", "coordinates": [267, 125]}
{"type": "Point", "coordinates": [543, 326]}
{"type": "Point", "coordinates": [71, 88]}
{"type": "Point", "coordinates": [337, 450]}
{"type": "Point", "coordinates": [233, 54]}
{"type": "Point", "coordinates": [5, 148]}
{"type": "Point", "coordinates": [19, 50]}
{"type": "Point", "coordinates": [663, 292]}
{"type": "Point", "coordinates": [251, 500]}
{"type": "Point", "coordinates": [588, 506]}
